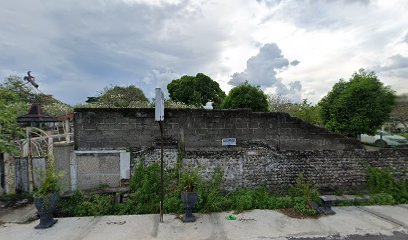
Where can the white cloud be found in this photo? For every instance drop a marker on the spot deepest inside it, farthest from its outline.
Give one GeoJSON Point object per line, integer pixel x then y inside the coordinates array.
{"type": "Point", "coordinates": [262, 70]}
{"type": "Point", "coordinates": [160, 78]}
{"type": "Point", "coordinates": [78, 47]}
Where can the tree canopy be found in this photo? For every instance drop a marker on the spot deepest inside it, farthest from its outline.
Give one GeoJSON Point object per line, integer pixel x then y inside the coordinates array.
{"type": "Point", "coordinates": [304, 110]}
{"type": "Point", "coordinates": [10, 106]}
{"type": "Point", "coordinates": [246, 96]}
{"type": "Point", "coordinates": [122, 97]}
{"type": "Point", "coordinates": [360, 105]}
{"type": "Point", "coordinates": [196, 90]}
{"type": "Point", "coordinates": [16, 84]}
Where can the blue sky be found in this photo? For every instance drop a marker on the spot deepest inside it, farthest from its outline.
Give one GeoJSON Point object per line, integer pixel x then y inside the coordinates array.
{"type": "Point", "coordinates": [296, 48]}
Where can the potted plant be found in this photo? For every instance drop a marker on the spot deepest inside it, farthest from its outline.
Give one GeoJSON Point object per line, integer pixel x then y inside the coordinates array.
{"type": "Point", "coordinates": [47, 195]}
{"type": "Point", "coordinates": [189, 181]}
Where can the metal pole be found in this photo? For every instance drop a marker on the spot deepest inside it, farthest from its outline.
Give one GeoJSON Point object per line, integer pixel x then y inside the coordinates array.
{"type": "Point", "coordinates": [161, 174]}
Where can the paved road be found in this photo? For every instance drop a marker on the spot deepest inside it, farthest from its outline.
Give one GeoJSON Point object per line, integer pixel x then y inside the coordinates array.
{"type": "Point", "coordinates": [350, 223]}
{"type": "Point", "coordinates": [394, 236]}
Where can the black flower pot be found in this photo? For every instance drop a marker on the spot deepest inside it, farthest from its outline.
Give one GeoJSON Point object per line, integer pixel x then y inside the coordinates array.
{"type": "Point", "coordinates": [46, 207]}
{"type": "Point", "coordinates": [189, 199]}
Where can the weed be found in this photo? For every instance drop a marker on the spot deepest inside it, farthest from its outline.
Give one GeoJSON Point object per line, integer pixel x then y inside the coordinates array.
{"type": "Point", "coordinates": [381, 199]}
{"type": "Point", "coordinates": [382, 181]}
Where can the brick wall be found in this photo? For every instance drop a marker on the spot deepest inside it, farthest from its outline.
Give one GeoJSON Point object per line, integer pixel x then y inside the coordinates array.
{"type": "Point", "coordinates": [136, 129]}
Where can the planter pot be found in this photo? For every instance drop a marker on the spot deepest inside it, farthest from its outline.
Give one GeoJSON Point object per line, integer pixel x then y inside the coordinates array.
{"type": "Point", "coordinates": [189, 199]}
{"type": "Point", "coordinates": [46, 207]}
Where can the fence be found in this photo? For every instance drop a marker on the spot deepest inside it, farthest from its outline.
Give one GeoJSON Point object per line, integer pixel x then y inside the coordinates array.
{"type": "Point", "coordinates": [22, 172]}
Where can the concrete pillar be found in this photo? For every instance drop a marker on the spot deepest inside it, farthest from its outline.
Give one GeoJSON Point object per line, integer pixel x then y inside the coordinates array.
{"type": "Point", "coordinates": [9, 176]}
{"type": "Point", "coordinates": [73, 172]}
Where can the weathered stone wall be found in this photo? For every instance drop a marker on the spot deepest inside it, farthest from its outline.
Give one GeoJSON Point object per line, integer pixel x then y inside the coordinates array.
{"type": "Point", "coordinates": [136, 129]}
{"type": "Point", "coordinates": [330, 170]}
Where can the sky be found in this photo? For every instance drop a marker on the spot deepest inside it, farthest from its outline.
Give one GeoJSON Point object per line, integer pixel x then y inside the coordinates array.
{"type": "Point", "coordinates": [295, 48]}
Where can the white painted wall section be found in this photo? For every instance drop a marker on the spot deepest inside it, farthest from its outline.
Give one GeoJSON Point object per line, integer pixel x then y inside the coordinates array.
{"type": "Point", "coordinates": [73, 172]}
{"type": "Point", "coordinates": [125, 165]}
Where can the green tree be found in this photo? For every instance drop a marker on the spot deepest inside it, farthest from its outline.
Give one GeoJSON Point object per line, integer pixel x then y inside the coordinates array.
{"type": "Point", "coordinates": [122, 97]}
{"type": "Point", "coordinates": [246, 96]}
{"type": "Point", "coordinates": [17, 85]}
{"type": "Point", "coordinates": [196, 90]}
{"type": "Point", "coordinates": [304, 110]}
{"type": "Point", "coordinates": [277, 103]}
{"type": "Point", "coordinates": [358, 106]}
{"type": "Point", "coordinates": [10, 106]}
{"type": "Point", "coordinates": [25, 96]}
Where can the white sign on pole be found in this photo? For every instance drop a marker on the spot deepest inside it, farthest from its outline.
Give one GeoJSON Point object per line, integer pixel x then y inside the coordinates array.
{"type": "Point", "coordinates": [159, 106]}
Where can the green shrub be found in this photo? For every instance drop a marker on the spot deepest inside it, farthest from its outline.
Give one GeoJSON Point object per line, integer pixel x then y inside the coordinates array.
{"type": "Point", "coordinates": [79, 205]}
{"type": "Point", "coordinates": [401, 192]}
{"type": "Point", "coordinates": [125, 208]}
{"type": "Point", "coordinates": [97, 205]}
{"type": "Point", "coordinates": [303, 193]}
{"type": "Point", "coordinates": [304, 189]}
{"type": "Point", "coordinates": [383, 181]}
{"type": "Point", "coordinates": [281, 202]}
{"type": "Point", "coordinates": [261, 199]}
{"type": "Point", "coordinates": [242, 200]}
{"type": "Point", "coordinates": [189, 180]}
{"type": "Point", "coordinates": [381, 199]}
{"type": "Point", "coordinates": [209, 196]}
{"type": "Point", "coordinates": [68, 206]}
{"type": "Point", "coordinates": [380, 180]}
{"type": "Point", "coordinates": [173, 204]}
{"type": "Point", "coordinates": [301, 206]}
{"type": "Point", "coordinates": [146, 185]}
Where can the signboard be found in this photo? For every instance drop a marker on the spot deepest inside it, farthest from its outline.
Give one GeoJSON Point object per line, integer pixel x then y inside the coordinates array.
{"type": "Point", "coordinates": [159, 106]}
{"type": "Point", "coordinates": [229, 142]}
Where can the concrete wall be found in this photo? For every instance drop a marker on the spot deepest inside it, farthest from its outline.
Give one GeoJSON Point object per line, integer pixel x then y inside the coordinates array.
{"type": "Point", "coordinates": [136, 128]}
{"type": "Point", "coordinates": [330, 170]}
{"type": "Point", "coordinates": [85, 170]}
{"type": "Point", "coordinates": [92, 169]}
{"type": "Point", "coordinates": [63, 154]}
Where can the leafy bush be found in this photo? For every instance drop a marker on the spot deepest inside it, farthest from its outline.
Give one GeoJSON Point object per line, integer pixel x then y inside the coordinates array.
{"type": "Point", "coordinates": [145, 197]}
{"type": "Point", "coordinates": [209, 196]}
{"type": "Point", "coordinates": [303, 193]}
{"type": "Point", "coordinates": [49, 179]}
{"type": "Point", "coordinates": [97, 205]}
{"type": "Point", "coordinates": [242, 200]}
{"type": "Point", "coordinates": [261, 199]}
{"type": "Point", "coordinates": [302, 206]}
{"type": "Point", "coordinates": [382, 181]}
{"type": "Point", "coordinates": [281, 202]}
{"type": "Point", "coordinates": [304, 189]}
{"type": "Point", "coordinates": [146, 185]}
{"type": "Point", "coordinates": [382, 199]}
{"type": "Point", "coordinates": [79, 205]}
{"type": "Point", "coordinates": [189, 180]}
{"type": "Point", "coordinates": [173, 204]}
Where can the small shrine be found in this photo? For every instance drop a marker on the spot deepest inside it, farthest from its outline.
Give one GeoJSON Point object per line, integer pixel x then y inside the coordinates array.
{"type": "Point", "coordinates": [37, 118]}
